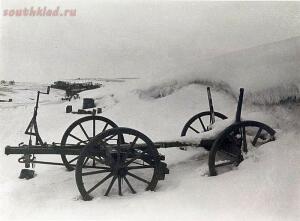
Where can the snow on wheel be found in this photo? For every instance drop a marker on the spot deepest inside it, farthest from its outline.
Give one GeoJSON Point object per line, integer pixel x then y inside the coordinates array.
{"type": "Point", "coordinates": [128, 163]}
{"type": "Point", "coordinates": [81, 132]}
{"type": "Point", "coordinates": [230, 147]}
{"type": "Point", "coordinates": [200, 123]}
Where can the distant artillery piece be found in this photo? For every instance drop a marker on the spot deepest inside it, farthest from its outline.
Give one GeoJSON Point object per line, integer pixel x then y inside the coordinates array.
{"type": "Point", "coordinates": [7, 83]}
{"type": "Point", "coordinates": [126, 156]}
{"type": "Point", "coordinates": [71, 94]}
{"type": "Point", "coordinates": [73, 89]}
{"type": "Point", "coordinates": [9, 100]}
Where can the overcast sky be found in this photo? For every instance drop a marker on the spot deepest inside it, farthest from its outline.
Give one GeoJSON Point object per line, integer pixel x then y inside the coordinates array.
{"type": "Point", "coordinates": [135, 39]}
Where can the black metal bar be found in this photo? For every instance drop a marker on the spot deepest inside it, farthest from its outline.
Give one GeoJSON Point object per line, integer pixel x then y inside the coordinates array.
{"type": "Point", "coordinates": [94, 126]}
{"type": "Point", "coordinates": [120, 186]}
{"type": "Point", "coordinates": [256, 136]}
{"type": "Point", "coordinates": [129, 185]}
{"type": "Point", "coordinates": [104, 128]}
{"type": "Point", "coordinates": [138, 178]}
{"type": "Point", "coordinates": [244, 136]}
{"type": "Point", "coordinates": [99, 183]}
{"type": "Point", "coordinates": [225, 163]}
{"type": "Point", "coordinates": [74, 150]}
{"type": "Point", "coordinates": [110, 185]}
{"type": "Point", "coordinates": [38, 139]}
{"type": "Point", "coordinates": [47, 162]}
{"type": "Point", "coordinates": [95, 172]}
{"type": "Point", "coordinates": [211, 107]}
{"type": "Point", "coordinates": [37, 100]}
{"type": "Point", "coordinates": [239, 106]}
{"type": "Point", "coordinates": [193, 129]}
{"type": "Point", "coordinates": [139, 167]}
{"type": "Point", "coordinates": [83, 130]}
{"type": "Point", "coordinates": [76, 138]}
{"type": "Point", "coordinates": [172, 144]}
{"type": "Point", "coordinates": [202, 124]}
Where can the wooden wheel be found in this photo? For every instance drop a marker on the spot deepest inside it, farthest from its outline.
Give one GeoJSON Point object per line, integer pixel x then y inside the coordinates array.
{"type": "Point", "coordinates": [133, 164]}
{"type": "Point", "coordinates": [200, 123]}
{"type": "Point", "coordinates": [230, 147]}
{"type": "Point", "coordinates": [81, 132]}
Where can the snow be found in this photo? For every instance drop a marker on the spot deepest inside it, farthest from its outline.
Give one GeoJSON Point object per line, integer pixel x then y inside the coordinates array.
{"type": "Point", "coordinates": [266, 186]}
{"type": "Point", "coordinates": [270, 73]}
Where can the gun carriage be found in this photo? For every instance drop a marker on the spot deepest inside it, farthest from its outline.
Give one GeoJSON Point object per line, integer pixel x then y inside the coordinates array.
{"type": "Point", "coordinates": [103, 154]}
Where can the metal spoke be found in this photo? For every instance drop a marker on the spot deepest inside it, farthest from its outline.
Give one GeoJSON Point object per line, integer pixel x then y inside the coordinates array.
{"type": "Point", "coordinates": [73, 159]}
{"type": "Point", "coordinates": [229, 154]}
{"type": "Point", "coordinates": [83, 130]}
{"type": "Point", "coordinates": [202, 123]}
{"type": "Point", "coordinates": [134, 142]}
{"type": "Point", "coordinates": [129, 185]}
{"type": "Point", "coordinates": [95, 172]}
{"type": "Point", "coordinates": [119, 185]}
{"type": "Point", "coordinates": [110, 137]}
{"type": "Point", "coordinates": [245, 149]}
{"type": "Point", "coordinates": [138, 178]}
{"type": "Point", "coordinates": [76, 138]}
{"type": "Point", "coordinates": [131, 161]}
{"type": "Point", "coordinates": [98, 160]}
{"type": "Point", "coordinates": [94, 127]}
{"type": "Point", "coordinates": [225, 164]}
{"type": "Point", "coordinates": [110, 185]}
{"type": "Point", "coordinates": [104, 128]}
{"type": "Point", "coordinates": [256, 136]}
{"type": "Point", "coordinates": [94, 167]}
{"type": "Point", "coordinates": [118, 152]}
{"type": "Point", "coordinates": [85, 162]}
{"type": "Point", "coordinates": [94, 161]}
{"type": "Point", "coordinates": [139, 167]}
{"type": "Point", "coordinates": [194, 129]}
{"type": "Point", "coordinates": [99, 183]}
{"type": "Point", "coordinates": [142, 164]}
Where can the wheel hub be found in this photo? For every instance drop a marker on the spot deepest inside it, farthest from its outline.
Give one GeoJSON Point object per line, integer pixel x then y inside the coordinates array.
{"type": "Point", "coordinates": [122, 172]}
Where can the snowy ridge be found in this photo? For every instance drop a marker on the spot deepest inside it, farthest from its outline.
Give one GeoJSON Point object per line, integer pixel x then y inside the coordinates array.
{"type": "Point", "coordinates": [274, 95]}
{"type": "Point", "coordinates": [269, 73]}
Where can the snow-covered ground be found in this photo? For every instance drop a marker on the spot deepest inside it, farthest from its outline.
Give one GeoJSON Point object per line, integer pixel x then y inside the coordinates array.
{"type": "Point", "coordinates": [266, 186]}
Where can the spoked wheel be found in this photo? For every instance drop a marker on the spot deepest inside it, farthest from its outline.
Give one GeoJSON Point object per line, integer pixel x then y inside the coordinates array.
{"type": "Point", "coordinates": [200, 123]}
{"type": "Point", "coordinates": [80, 133]}
{"type": "Point", "coordinates": [230, 147]}
{"type": "Point", "coordinates": [131, 165]}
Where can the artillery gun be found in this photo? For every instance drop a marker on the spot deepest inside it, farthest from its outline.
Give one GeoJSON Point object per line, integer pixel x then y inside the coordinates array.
{"type": "Point", "coordinates": [101, 152]}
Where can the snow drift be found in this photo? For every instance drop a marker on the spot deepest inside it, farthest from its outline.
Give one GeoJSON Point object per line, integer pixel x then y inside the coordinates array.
{"type": "Point", "coordinates": [270, 74]}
